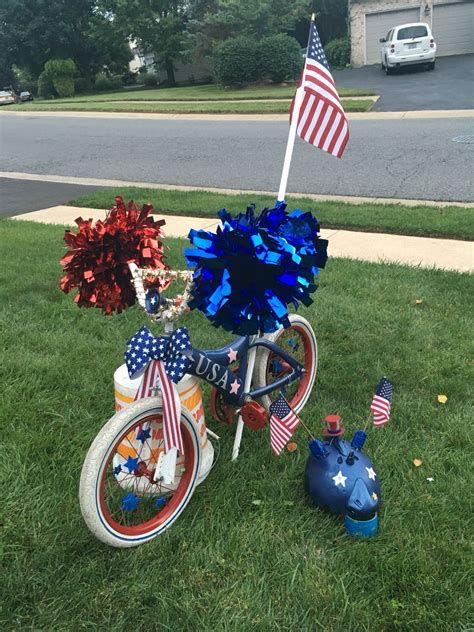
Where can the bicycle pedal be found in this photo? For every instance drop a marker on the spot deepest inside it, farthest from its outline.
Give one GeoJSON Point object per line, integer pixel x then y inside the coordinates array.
{"type": "Point", "coordinates": [254, 415]}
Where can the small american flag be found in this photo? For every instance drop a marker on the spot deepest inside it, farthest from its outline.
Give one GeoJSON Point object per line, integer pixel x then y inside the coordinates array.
{"type": "Point", "coordinates": [322, 121]}
{"type": "Point", "coordinates": [381, 402]}
{"type": "Point", "coordinates": [283, 422]}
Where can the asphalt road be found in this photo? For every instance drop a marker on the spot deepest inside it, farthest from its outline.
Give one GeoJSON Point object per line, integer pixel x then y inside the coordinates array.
{"type": "Point", "coordinates": [449, 87]}
{"type": "Point", "coordinates": [23, 196]}
{"type": "Point", "coordinates": [403, 158]}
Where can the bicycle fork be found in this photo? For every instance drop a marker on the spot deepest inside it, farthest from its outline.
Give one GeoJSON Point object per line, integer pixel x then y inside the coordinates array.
{"type": "Point", "coordinates": [248, 383]}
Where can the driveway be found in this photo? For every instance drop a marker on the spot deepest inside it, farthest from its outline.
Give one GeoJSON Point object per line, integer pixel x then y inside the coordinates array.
{"type": "Point", "coordinates": [449, 87]}
{"type": "Point", "coordinates": [23, 196]}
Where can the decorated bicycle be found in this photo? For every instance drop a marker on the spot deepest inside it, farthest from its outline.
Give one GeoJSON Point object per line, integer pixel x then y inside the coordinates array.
{"type": "Point", "coordinates": [144, 464]}
{"type": "Point", "coordinates": [146, 461]}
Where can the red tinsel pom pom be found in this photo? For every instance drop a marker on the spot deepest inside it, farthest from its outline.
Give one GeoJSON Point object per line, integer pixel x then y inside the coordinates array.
{"type": "Point", "coordinates": [97, 262]}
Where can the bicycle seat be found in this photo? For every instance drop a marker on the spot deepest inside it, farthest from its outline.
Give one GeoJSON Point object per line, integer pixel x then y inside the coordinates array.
{"type": "Point", "coordinates": [231, 352]}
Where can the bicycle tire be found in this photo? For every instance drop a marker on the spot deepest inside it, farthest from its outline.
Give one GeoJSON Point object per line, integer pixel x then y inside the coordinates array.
{"type": "Point", "coordinates": [301, 328]}
{"type": "Point", "coordinates": [103, 481]}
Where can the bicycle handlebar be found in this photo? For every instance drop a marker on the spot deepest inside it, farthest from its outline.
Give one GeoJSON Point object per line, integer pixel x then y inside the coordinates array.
{"type": "Point", "coordinates": [169, 309]}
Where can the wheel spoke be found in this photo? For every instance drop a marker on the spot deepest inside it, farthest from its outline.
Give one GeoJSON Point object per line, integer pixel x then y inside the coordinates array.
{"type": "Point", "coordinates": [132, 499]}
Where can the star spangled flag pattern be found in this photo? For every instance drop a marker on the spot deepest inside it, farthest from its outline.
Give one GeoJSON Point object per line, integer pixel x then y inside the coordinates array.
{"type": "Point", "coordinates": [322, 121]}
{"type": "Point", "coordinates": [381, 402]}
{"type": "Point", "coordinates": [165, 362]}
{"type": "Point", "coordinates": [173, 350]}
{"type": "Point", "coordinates": [283, 422]}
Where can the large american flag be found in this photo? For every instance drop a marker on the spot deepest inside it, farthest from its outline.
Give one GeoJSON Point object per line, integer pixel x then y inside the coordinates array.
{"type": "Point", "coordinates": [283, 422]}
{"type": "Point", "coordinates": [322, 121]}
{"type": "Point", "coordinates": [381, 402]}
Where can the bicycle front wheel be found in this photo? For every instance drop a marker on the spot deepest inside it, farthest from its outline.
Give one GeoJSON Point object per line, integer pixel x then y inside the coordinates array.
{"type": "Point", "coordinates": [120, 501]}
{"type": "Point", "coordinates": [299, 341]}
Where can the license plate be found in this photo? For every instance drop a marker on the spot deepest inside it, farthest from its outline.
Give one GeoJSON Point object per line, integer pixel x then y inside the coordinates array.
{"type": "Point", "coordinates": [412, 45]}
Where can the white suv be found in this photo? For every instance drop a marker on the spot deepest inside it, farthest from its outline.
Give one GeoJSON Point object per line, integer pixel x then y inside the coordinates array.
{"type": "Point", "coordinates": [408, 44]}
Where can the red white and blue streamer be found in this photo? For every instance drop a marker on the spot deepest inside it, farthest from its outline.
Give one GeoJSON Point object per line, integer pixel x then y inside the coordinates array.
{"type": "Point", "coordinates": [163, 361]}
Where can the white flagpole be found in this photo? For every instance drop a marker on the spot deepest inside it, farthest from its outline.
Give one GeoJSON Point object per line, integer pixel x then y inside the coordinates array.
{"type": "Point", "coordinates": [292, 134]}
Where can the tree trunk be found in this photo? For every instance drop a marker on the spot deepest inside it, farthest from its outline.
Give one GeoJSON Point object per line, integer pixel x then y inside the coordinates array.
{"type": "Point", "coordinates": [170, 71]}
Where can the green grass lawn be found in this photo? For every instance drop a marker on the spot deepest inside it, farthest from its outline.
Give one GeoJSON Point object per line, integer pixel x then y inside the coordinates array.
{"type": "Point", "coordinates": [455, 222]}
{"type": "Point", "coordinates": [183, 107]}
{"type": "Point", "coordinates": [227, 563]}
{"type": "Point", "coordinates": [206, 93]}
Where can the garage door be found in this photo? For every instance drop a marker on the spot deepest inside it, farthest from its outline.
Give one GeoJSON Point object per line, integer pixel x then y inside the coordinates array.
{"type": "Point", "coordinates": [377, 25]}
{"type": "Point", "coordinates": [453, 28]}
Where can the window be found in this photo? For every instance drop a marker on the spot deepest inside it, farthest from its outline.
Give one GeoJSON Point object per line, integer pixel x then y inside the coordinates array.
{"type": "Point", "coordinates": [410, 32]}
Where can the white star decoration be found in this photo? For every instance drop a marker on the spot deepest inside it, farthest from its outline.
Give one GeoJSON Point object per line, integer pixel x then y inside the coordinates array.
{"type": "Point", "coordinates": [234, 387]}
{"type": "Point", "coordinates": [339, 479]}
{"type": "Point", "coordinates": [232, 355]}
{"type": "Point", "coordinates": [371, 473]}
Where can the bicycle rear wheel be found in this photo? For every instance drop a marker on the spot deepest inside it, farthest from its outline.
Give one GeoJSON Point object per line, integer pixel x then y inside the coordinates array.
{"type": "Point", "coordinates": [299, 341]}
{"type": "Point", "coordinates": [120, 501]}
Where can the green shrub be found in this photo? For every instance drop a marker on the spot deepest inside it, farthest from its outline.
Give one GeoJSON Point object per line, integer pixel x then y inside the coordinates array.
{"type": "Point", "coordinates": [278, 58]}
{"type": "Point", "coordinates": [61, 72]}
{"type": "Point", "coordinates": [105, 83]}
{"type": "Point", "coordinates": [149, 79]}
{"type": "Point", "coordinates": [117, 83]}
{"type": "Point", "coordinates": [338, 52]}
{"type": "Point", "coordinates": [45, 86]}
{"type": "Point", "coordinates": [82, 85]}
{"type": "Point", "coordinates": [235, 61]}
{"type": "Point", "coordinates": [129, 78]}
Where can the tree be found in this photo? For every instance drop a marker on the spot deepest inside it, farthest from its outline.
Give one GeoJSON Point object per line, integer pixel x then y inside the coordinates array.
{"type": "Point", "coordinates": [213, 21]}
{"type": "Point", "coordinates": [61, 72]}
{"type": "Point", "coordinates": [157, 25]}
{"type": "Point", "coordinates": [7, 76]}
{"type": "Point", "coordinates": [34, 31]}
{"type": "Point", "coordinates": [331, 21]}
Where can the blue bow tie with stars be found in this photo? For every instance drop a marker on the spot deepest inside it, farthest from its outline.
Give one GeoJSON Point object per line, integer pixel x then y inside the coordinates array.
{"type": "Point", "coordinates": [174, 350]}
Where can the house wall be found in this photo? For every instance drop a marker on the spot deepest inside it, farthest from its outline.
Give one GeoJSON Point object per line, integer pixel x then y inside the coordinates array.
{"type": "Point", "coordinates": [358, 11]}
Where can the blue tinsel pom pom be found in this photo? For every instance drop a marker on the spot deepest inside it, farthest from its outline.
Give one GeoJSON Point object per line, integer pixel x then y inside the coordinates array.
{"type": "Point", "coordinates": [252, 267]}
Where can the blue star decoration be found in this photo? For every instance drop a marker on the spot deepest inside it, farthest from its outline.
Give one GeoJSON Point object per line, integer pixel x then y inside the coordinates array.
{"type": "Point", "coordinates": [294, 344]}
{"type": "Point", "coordinates": [160, 501]}
{"type": "Point", "coordinates": [117, 470]}
{"type": "Point", "coordinates": [131, 464]}
{"type": "Point", "coordinates": [144, 434]}
{"type": "Point", "coordinates": [276, 367]}
{"type": "Point", "coordinates": [130, 502]}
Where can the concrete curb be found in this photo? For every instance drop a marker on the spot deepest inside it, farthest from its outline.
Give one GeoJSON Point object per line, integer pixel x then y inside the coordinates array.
{"type": "Point", "coordinates": [423, 252]}
{"type": "Point", "coordinates": [100, 182]}
{"type": "Point", "coordinates": [352, 116]}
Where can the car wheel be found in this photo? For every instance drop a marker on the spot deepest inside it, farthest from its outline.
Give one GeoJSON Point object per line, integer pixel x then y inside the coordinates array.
{"type": "Point", "coordinates": [431, 65]}
{"type": "Point", "coordinates": [388, 70]}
